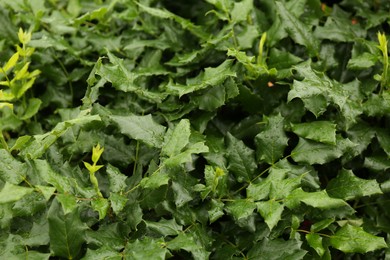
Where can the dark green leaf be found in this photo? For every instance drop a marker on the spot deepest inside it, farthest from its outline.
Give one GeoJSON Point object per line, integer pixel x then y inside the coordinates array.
{"type": "Point", "coordinates": [187, 242]}
{"type": "Point", "coordinates": [351, 239]}
{"type": "Point", "coordinates": [165, 227]}
{"type": "Point", "coordinates": [347, 186]}
{"type": "Point", "coordinates": [66, 231]}
{"type": "Point", "coordinates": [272, 141]}
{"type": "Point", "coordinates": [241, 159]}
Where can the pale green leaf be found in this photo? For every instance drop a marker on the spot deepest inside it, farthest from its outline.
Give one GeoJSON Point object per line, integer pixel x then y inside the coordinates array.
{"type": "Point", "coordinates": [351, 239]}
{"type": "Point", "coordinates": [271, 211]}
{"type": "Point", "coordinates": [12, 193]}
{"type": "Point", "coordinates": [142, 128]}
{"type": "Point", "coordinates": [46, 191]}
{"type": "Point", "coordinates": [347, 186]}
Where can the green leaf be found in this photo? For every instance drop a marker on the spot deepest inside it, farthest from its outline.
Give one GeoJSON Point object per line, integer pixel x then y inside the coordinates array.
{"type": "Point", "coordinates": [187, 242]}
{"type": "Point", "coordinates": [142, 128]}
{"type": "Point", "coordinates": [315, 241]}
{"type": "Point", "coordinates": [319, 153]}
{"type": "Point", "coordinates": [46, 172]}
{"type": "Point", "coordinates": [210, 77]}
{"type": "Point", "coordinates": [271, 211]}
{"type": "Point", "coordinates": [272, 141]}
{"type": "Point", "coordinates": [241, 159]}
{"type": "Point", "coordinates": [318, 226]}
{"type": "Point", "coordinates": [347, 186]}
{"type": "Point", "coordinates": [259, 191]}
{"type": "Point", "coordinates": [101, 205]}
{"type": "Point", "coordinates": [116, 178]}
{"type": "Point", "coordinates": [186, 155]}
{"type": "Point", "coordinates": [272, 250]}
{"type": "Point", "coordinates": [351, 239]}
{"type": "Point", "coordinates": [165, 227]}
{"type": "Point", "coordinates": [66, 231]}
{"type": "Point", "coordinates": [103, 252]}
{"type": "Point", "coordinates": [20, 142]}
{"type": "Point", "coordinates": [297, 30]}
{"type": "Point", "coordinates": [46, 191]}
{"type": "Point", "coordinates": [117, 201]}
{"type": "Point", "coordinates": [11, 170]}
{"type": "Point", "coordinates": [377, 163]}
{"type": "Point", "coordinates": [147, 248]}
{"type": "Point", "coordinates": [12, 193]}
{"type": "Point", "coordinates": [384, 140]}
{"type": "Point", "coordinates": [109, 235]}
{"type": "Point", "coordinates": [32, 108]}
{"type": "Point", "coordinates": [241, 10]}
{"type": "Point", "coordinates": [39, 234]}
{"type": "Point", "coordinates": [240, 208]}
{"type": "Point", "coordinates": [176, 140]}
{"type": "Point", "coordinates": [216, 210]}
{"type": "Point", "coordinates": [156, 180]}
{"type": "Point", "coordinates": [318, 199]}
{"type": "Point", "coordinates": [320, 131]}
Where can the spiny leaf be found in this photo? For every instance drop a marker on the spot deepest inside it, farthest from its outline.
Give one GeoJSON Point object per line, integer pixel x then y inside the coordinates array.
{"type": "Point", "coordinates": [12, 193]}
{"type": "Point", "coordinates": [271, 211]}
{"type": "Point", "coordinates": [351, 239]}
{"type": "Point", "coordinates": [297, 30]}
{"type": "Point", "coordinates": [142, 128]}
{"type": "Point", "coordinates": [66, 231]}
{"type": "Point", "coordinates": [272, 141]}
{"type": "Point", "coordinates": [347, 186]}
{"type": "Point", "coordinates": [241, 159]}
{"type": "Point", "coordinates": [319, 153]}
{"type": "Point", "coordinates": [177, 139]}
{"type": "Point", "coordinates": [320, 131]}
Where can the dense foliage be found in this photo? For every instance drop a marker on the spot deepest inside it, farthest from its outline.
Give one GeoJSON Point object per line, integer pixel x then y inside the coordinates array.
{"type": "Point", "coordinates": [216, 129]}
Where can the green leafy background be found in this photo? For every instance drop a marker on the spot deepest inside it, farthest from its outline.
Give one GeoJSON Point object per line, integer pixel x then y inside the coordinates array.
{"type": "Point", "coordinates": [231, 130]}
